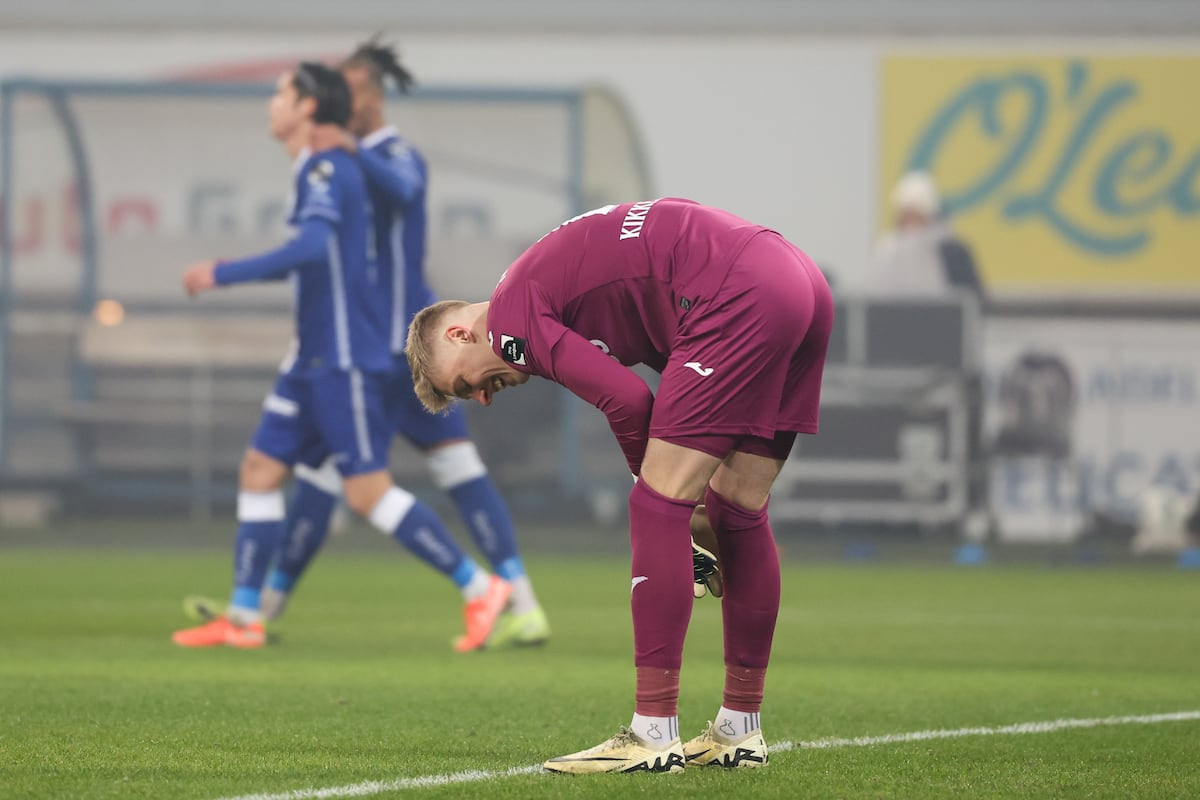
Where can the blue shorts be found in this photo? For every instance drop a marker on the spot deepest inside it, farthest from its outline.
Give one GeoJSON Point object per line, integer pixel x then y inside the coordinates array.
{"type": "Point", "coordinates": [314, 414]}
{"type": "Point", "coordinates": [410, 419]}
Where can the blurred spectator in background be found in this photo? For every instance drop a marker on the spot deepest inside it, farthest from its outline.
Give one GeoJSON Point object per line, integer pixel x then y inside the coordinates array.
{"type": "Point", "coordinates": [1193, 522]}
{"type": "Point", "coordinates": [922, 254]}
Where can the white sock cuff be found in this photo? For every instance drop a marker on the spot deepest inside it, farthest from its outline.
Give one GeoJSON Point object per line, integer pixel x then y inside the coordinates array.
{"type": "Point", "coordinates": [735, 724]}
{"type": "Point", "coordinates": [260, 506]}
{"type": "Point", "coordinates": [325, 477]}
{"type": "Point", "coordinates": [658, 732]}
{"type": "Point", "coordinates": [391, 509]}
{"type": "Point", "coordinates": [455, 464]}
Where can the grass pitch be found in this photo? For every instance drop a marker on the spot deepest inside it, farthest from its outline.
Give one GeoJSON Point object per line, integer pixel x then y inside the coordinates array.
{"type": "Point", "coordinates": [95, 701]}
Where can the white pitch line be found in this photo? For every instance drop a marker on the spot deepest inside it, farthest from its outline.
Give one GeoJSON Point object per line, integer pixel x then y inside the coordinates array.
{"type": "Point", "coordinates": [1004, 730]}
{"type": "Point", "coordinates": [375, 787]}
{"type": "Point", "coordinates": [475, 775]}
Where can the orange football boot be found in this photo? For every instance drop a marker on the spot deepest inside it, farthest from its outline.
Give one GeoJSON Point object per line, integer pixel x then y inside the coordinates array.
{"type": "Point", "coordinates": [480, 614]}
{"type": "Point", "coordinates": [221, 631]}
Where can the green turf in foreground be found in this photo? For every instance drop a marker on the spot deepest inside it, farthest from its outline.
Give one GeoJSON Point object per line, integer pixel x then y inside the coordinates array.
{"type": "Point", "coordinates": [95, 702]}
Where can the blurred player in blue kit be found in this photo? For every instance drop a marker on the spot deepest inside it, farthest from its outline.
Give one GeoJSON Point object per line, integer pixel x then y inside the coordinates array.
{"type": "Point", "coordinates": [396, 180]}
{"type": "Point", "coordinates": [330, 404]}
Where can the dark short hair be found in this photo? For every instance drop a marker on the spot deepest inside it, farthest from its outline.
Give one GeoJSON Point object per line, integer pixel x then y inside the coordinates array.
{"type": "Point", "coordinates": [327, 86]}
{"type": "Point", "coordinates": [382, 63]}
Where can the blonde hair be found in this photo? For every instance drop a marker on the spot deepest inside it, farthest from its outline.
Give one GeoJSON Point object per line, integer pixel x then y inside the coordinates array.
{"type": "Point", "coordinates": [423, 335]}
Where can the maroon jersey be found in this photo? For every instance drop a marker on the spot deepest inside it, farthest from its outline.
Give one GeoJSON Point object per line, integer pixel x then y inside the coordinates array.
{"type": "Point", "coordinates": [613, 287]}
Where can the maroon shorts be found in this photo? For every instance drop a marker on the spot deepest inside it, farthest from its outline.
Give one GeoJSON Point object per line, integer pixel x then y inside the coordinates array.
{"type": "Point", "coordinates": [747, 362]}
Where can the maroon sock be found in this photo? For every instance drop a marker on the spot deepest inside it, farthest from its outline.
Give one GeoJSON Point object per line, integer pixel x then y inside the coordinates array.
{"type": "Point", "coordinates": [744, 688]}
{"type": "Point", "coordinates": [657, 692]}
{"type": "Point", "coordinates": [750, 570]}
{"type": "Point", "coordinates": [660, 537]}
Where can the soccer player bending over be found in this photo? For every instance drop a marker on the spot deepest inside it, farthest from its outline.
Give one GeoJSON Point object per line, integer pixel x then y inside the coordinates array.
{"type": "Point", "coordinates": [737, 321]}
{"type": "Point", "coordinates": [396, 179]}
{"type": "Point", "coordinates": [328, 401]}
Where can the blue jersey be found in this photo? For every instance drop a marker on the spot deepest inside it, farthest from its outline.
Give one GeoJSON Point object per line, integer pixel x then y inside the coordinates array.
{"type": "Point", "coordinates": [397, 179]}
{"type": "Point", "coordinates": [338, 321]}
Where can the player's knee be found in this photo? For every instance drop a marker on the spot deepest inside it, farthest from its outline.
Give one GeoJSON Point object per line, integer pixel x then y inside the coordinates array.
{"type": "Point", "coordinates": [678, 486]}
{"type": "Point", "coordinates": [260, 473]}
{"type": "Point", "coordinates": [363, 492]}
{"type": "Point", "coordinates": [741, 490]}
{"type": "Point", "coordinates": [360, 503]}
{"type": "Point", "coordinates": [455, 464]}
{"type": "Point", "coordinates": [677, 471]}
{"type": "Point", "coordinates": [745, 479]}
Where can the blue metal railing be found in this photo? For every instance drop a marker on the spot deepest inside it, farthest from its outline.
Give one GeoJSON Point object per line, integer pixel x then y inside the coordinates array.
{"type": "Point", "coordinates": [6, 194]}
{"type": "Point", "coordinates": [82, 383]}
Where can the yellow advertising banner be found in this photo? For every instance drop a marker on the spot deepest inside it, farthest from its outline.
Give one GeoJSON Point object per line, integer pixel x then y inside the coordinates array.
{"type": "Point", "coordinates": [1065, 175]}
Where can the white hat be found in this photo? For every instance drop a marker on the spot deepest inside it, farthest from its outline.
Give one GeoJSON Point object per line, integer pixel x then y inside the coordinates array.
{"type": "Point", "coordinates": [916, 191]}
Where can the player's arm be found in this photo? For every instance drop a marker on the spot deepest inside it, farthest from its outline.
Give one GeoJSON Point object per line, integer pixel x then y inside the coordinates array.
{"type": "Point", "coordinates": [614, 389]}
{"type": "Point", "coordinates": [628, 402]}
{"type": "Point", "coordinates": [308, 247]}
{"type": "Point", "coordinates": [399, 177]}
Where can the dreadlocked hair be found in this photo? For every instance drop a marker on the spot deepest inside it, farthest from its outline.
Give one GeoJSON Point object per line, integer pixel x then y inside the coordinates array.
{"type": "Point", "coordinates": [382, 63]}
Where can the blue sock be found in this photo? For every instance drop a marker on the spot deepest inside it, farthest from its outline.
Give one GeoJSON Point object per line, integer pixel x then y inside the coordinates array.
{"type": "Point", "coordinates": [306, 529]}
{"type": "Point", "coordinates": [424, 533]}
{"type": "Point", "coordinates": [510, 568]}
{"type": "Point", "coordinates": [464, 572]}
{"type": "Point", "coordinates": [260, 529]}
{"type": "Point", "coordinates": [486, 516]}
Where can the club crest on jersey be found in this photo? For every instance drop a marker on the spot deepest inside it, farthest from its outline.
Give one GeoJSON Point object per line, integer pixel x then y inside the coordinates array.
{"type": "Point", "coordinates": [320, 173]}
{"type": "Point", "coordinates": [512, 349]}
